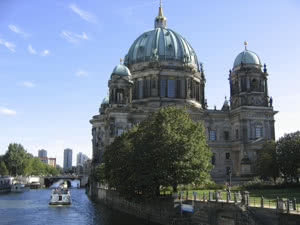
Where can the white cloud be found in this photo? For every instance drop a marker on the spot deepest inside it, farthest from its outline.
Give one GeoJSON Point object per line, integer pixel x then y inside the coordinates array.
{"type": "Point", "coordinates": [87, 16]}
{"type": "Point", "coordinates": [17, 30]}
{"type": "Point", "coordinates": [73, 37]}
{"type": "Point", "coordinates": [28, 84]}
{"type": "Point", "coordinates": [9, 45]}
{"type": "Point", "coordinates": [6, 111]}
{"type": "Point", "coordinates": [81, 73]}
{"type": "Point", "coordinates": [45, 52]}
{"type": "Point", "coordinates": [31, 50]}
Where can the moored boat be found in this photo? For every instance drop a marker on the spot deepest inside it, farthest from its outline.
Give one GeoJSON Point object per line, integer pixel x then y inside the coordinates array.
{"type": "Point", "coordinates": [18, 188]}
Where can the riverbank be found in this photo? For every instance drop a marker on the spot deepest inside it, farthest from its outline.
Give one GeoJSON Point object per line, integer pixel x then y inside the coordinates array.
{"type": "Point", "coordinates": [209, 211]}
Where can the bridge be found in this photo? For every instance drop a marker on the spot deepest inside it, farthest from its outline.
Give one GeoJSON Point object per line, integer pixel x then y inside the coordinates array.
{"type": "Point", "coordinates": [83, 180]}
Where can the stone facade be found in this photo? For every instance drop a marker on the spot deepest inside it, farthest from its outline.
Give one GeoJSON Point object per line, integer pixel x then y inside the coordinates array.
{"type": "Point", "coordinates": [144, 83]}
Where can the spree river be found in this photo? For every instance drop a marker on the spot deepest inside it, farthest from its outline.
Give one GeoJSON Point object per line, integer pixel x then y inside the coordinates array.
{"type": "Point", "coordinates": [31, 207]}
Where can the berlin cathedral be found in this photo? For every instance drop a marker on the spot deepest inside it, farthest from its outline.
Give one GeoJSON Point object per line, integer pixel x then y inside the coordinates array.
{"type": "Point", "coordinates": [160, 69]}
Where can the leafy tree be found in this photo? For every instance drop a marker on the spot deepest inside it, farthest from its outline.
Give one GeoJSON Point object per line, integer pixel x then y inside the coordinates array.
{"type": "Point", "coordinates": [38, 167]}
{"type": "Point", "coordinates": [167, 149]}
{"type": "Point", "coordinates": [267, 165]}
{"type": "Point", "coordinates": [49, 170]}
{"type": "Point", "coordinates": [288, 153]}
{"type": "Point", "coordinates": [28, 167]}
{"type": "Point", "coordinates": [3, 169]}
{"type": "Point", "coordinates": [14, 159]}
{"type": "Point", "coordinates": [59, 169]}
{"type": "Point", "coordinates": [99, 173]}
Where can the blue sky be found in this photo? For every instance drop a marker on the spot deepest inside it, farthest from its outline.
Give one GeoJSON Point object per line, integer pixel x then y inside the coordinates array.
{"type": "Point", "coordinates": [56, 57]}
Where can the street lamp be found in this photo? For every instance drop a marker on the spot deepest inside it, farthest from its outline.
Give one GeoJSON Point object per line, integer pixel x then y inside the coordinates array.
{"type": "Point", "coordinates": [229, 171]}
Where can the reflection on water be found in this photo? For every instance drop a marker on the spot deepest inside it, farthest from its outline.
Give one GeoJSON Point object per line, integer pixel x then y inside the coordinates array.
{"type": "Point", "coordinates": [31, 207]}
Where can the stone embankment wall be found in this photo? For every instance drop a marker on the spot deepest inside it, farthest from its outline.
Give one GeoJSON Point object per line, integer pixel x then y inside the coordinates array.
{"type": "Point", "coordinates": [160, 212]}
{"type": "Point", "coordinates": [205, 212]}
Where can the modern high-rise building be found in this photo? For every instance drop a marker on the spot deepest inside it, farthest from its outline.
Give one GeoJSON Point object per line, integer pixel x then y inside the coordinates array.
{"type": "Point", "coordinates": [68, 159]}
{"type": "Point", "coordinates": [43, 155]}
{"type": "Point", "coordinates": [81, 158]}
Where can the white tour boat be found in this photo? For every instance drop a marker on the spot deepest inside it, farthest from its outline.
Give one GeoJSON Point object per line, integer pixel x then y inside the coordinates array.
{"type": "Point", "coordinates": [60, 196]}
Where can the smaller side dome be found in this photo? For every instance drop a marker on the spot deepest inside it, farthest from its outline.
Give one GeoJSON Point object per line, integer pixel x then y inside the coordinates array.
{"type": "Point", "coordinates": [225, 106]}
{"type": "Point", "coordinates": [105, 101]}
{"type": "Point", "coordinates": [121, 70]}
{"type": "Point", "coordinates": [247, 57]}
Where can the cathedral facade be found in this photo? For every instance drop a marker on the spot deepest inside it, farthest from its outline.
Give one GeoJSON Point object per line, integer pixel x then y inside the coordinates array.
{"type": "Point", "coordinates": [162, 69]}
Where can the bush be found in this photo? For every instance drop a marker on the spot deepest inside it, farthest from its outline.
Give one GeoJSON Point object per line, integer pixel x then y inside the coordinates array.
{"type": "Point", "coordinates": [257, 183]}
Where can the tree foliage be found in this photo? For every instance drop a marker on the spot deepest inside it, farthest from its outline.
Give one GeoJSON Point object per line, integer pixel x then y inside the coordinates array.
{"type": "Point", "coordinates": [167, 149]}
{"type": "Point", "coordinates": [267, 165]}
{"type": "Point", "coordinates": [19, 162]}
{"type": "Point", "coordinates": [15, 159]}
{"type": "Point", "coordinates": [288, 154]}
{"type": "Point", "coordinates": [3, 169]}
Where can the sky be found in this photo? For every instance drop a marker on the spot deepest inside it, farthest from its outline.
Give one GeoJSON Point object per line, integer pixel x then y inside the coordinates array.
{"type": "Point", "coordinates": [56, 57]}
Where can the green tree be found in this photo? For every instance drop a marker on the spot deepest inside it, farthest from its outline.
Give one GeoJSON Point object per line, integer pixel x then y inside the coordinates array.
{"type": "Point", "coordinates": [49, 170]}
{"type": "Point", "coordinates": [3, 169]}
{"type": "Point", "coordinates": [15, 159]}
{"type": "Point", "coordinates": [167, 149]}
{"type": "Point", "coordinates": [59, 169]}
{"type": "Point", "coordinates": [38, 167]}
{"type": "Point", "coordinates": [267, 165]}
{"type": "Point", "coordinates": [99, 174]}
{"type": "Point", "coordinates": [288, 154]}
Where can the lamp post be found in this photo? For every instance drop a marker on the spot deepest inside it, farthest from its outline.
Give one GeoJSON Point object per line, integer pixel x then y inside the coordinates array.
{"type": "Point", "coordinates": [229, 178]}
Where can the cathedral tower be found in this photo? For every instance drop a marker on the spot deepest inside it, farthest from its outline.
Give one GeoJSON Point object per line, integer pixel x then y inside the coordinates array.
{"type": "Point", "coordinates": [248, 82]}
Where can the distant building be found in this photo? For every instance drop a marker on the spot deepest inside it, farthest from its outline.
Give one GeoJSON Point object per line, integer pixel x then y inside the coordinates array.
{"type": "Point", "coordinates": [87, 167]}
{"type": "Point", "coordinates": [52, 162]}
{"type": "Point", "coordinates": [68, 159]}
{"type": "Point", "coordinates": [42, 153]}
{"type": "Point", "coordinates": [43, 156]}
{"type": "Point", "coordinates": [81, 158]}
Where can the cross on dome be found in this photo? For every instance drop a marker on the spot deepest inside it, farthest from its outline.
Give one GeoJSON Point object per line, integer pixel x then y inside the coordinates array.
{"type": "Point", "coordinates": [245, 43]}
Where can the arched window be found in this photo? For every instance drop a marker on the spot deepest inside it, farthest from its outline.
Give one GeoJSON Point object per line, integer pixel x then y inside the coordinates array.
{"type": "Point", "coordinates": [226, 135]}
{"type": "Point", "coordinates": [254, 85]}
{"type": "Point", "coordinates": [119, 131]}
{"type": "Point", "coordinates": [212, 135]}
{"type": "Point", "coordinates": [258, 131]}
{"type": "Point", "coordinates": [237, 135]}
{"type": "Point", "coordinates": [140, 89]}
{"type": "Point", "coordinates": [213, 159]}
{"type": "Point", "coordinates": [227, 155]}
{"type": "Point", "coordinates": [171, 88]}
{"type": "Point", "coordinates": [162, 87]}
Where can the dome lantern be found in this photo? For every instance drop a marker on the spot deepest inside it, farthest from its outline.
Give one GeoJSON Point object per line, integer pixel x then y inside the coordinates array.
{"type": "Point", "coordinates": [160, 21]}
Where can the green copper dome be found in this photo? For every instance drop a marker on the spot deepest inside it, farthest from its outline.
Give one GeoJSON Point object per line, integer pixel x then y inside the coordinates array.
{"type": "Point", "coordinates": [105, 101]}
{"type": "Point", "coordinates": [247, 57]}
{"type": "Point", "coordinates": [121, 70]}
{"type": "Point", "coordinates": [161, 44]}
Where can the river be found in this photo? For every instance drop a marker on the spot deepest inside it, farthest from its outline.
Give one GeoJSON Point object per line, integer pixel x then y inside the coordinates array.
{"type": "Point", "coordinates": [31, 208]}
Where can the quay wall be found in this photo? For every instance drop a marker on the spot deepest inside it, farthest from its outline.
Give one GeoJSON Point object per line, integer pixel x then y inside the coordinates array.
{"type": "Point", "coordinates": [205, 212]}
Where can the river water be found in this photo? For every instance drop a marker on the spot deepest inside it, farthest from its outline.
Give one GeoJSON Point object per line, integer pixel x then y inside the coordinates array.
{"type": "Point", "coordinates": [31, 207]}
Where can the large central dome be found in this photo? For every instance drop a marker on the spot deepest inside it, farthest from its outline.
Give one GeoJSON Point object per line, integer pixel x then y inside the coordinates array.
{"type": "Point", "coordinates": [161, 44]}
